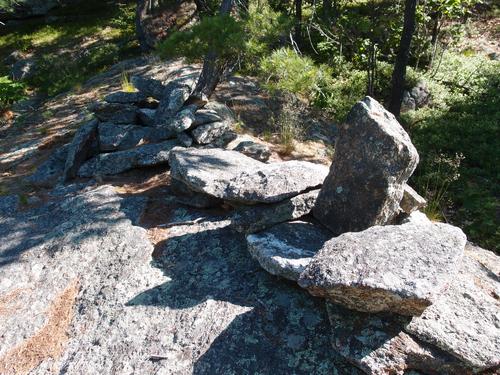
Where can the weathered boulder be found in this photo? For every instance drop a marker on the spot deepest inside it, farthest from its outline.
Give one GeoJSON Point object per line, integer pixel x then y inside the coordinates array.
{"type": "Point", "coordinates": [465, 320]}
{"type": "Point", "coordinates": [232, 176]}
{"type": "Point", "coordinates": [411, 201]}
{"type": "Point", "coordinates": [83, 147]}
{"type": "Point", "coordinates": [374, 157]}
{"type": "Point", "coordinates": [255, 150]}
{"type": "Point", "coordinates": [182, 121]}
{"type": "Point", "coordinates": [125, 97]}
{"type": "Point", "coordinates": [262, 216]}
{"type": "Point", "coordinates": [51, 170]}
{"type": "Point", "coordinates": [223, 140]}
{"type": "Point", "coordinates": [205, 116]}
{"type": "Point", "coordinates": [148, 86]}
{"type": "Point", "coordinates": [286, 249]}
{"type": "Point", "coordinates": [399, 268]}
{"type": "Point", "coordinates": [174, 96]}
{"type": "Point", "coordinates": [222, 111]}
{"type": "Point", "coordinates": [146, 116]}
{"type": "Point", "coordinates": [115, 112]}
{"type": "Point", "coordinates": [114, 137]}
{"type": "Point", "coordinates": [207, 133]}
{"type": "Point", "coordinates": [121, 161]}
{"type": "Point", "coordinates": [377, 344]}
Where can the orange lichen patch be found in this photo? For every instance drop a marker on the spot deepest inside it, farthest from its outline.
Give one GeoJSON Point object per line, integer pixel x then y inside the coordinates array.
{"type": "Point", "coordinates": [8, 301]}
{"type": "Point", "coordinates": [49, 341]}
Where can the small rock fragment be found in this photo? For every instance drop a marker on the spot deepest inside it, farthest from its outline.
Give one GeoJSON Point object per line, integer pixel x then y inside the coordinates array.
{"type": "Point", "coordinates": [286, 249]}
{"type": "Point", "coordinates": [257, 151]}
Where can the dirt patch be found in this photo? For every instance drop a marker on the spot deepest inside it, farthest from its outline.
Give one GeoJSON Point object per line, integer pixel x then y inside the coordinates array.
{"type": "Point", "coordinates": [49, 341]}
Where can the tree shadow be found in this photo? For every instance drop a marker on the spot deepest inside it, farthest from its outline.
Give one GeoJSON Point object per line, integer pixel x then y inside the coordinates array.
{"type": "Point", "coordinates": [285, 331]}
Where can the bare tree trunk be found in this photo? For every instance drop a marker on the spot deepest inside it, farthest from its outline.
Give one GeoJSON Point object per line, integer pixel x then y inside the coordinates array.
{"type": "Point", "coordinates": [142, 11]}
{"type": "Point", "coordinates": [399, 73]}
{"type": "Point", "coordinates": [213, 68]}
{"type": "Point", "coordinates": [298, 21]}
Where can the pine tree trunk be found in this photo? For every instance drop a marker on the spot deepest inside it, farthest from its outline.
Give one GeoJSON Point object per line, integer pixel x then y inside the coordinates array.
{"type": "Point", "coordinates": [143, 7]}
{"type": "Point", "coordinates": [298, 21]}
{"type": "Point", "coordinates": [399, 73]}
{"type": "Point", "coordinates": [213, 68]}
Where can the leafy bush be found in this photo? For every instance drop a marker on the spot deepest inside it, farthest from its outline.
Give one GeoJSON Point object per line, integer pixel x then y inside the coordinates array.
{"type": "Point", "coordinates": [10, 92]}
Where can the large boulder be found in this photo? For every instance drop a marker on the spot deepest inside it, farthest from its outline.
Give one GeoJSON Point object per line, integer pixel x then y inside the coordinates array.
{"type": "Point", "coordinates": [251, 219]}
{"type": "Point", "coordinates": [232, 176]}
{"type": "Point", "coordinates": [83, 147]}
{"type": "Point", "coordinates": [374, 157]}
{"type": "Point", "coordinates": [465, 320]}
{"type": "Point", "coordinates": [114, 137]}
{"type": "Point", "coordinates": [121, 161]}
{"type": "Point", "coordinates": [399, 268]}
{"type": "Point", "coordinates": [286, 249]}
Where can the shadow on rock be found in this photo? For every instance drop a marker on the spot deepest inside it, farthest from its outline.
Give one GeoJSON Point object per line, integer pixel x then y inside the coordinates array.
{"type": "Point", "coordinates": [286, 331]}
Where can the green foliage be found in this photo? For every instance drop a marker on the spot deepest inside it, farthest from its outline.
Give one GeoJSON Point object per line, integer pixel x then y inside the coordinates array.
{"type": "Point", "coordinates": [222, 34]}
{"type": "Point", "coordinates": [285, 70]}
{"type": "Point", "coordinates": [458, 141]}
{"type": "Point", "coordinates": [107, 30]}
{"type": "Point", "coordinates": [10, 92]}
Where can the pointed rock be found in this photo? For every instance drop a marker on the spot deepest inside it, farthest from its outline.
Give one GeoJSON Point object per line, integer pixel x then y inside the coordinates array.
{"type": "Point", "coordinates": [374, 157]}
{"type": "Point", "coordinates": [83, 147]}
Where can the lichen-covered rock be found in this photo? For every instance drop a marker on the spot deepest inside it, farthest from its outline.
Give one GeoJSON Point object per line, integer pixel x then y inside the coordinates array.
{"type": "Point", "coordinates": [399, 268]}
{"type": "Point", "coordinates": [199, 305]}
{"type": "Point", "coordinates": [182, 121]}
{"type": "Point", "coordinates": [204, 116]}
{"type": "Point", "coordinates": [262, 216]}
{"type": "Point", "coordinates": [377, 345]}
{"type": "Point", "coordinates": [125, 97]}
{"type": "Point", "coordinates": [83, 146]}
{"type": "Point", "coordinates": [149, 87]}
{"type": "Point", "coordinates": [411, 201]}
{"type": "Point", "coordinates": [255, 150]}
{"type": "Point", "coordinates": [232, 176]}
{"type": "Point", "coordinates": [374, 157]}
{"type": "Point", "coordinates": [207, 133]}
{"type": "Point", "coordinates": [286, 249]}
{"type": "Point", "coordinates": [115, 112]}
{"type": "Point", "coordinates": [114, 137]}
{"type": "Point", "coordinates": [146, 116]}
{"type": "Point", "coordinates": [121, 161]}
{"type": "Point", "coordinates": [51, 170]}
{"type": "Point", "coordinates": [174, 96]}
{"type": "Point", "coordinates": [465, 320]}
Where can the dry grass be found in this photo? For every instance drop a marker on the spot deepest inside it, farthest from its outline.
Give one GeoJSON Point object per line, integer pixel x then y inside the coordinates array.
{"type": "Point", "coordinates": [48, 342]}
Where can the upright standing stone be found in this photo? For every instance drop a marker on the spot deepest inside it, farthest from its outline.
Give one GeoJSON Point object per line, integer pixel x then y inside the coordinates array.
{"type": "Point", "coordinates": [374, 157]}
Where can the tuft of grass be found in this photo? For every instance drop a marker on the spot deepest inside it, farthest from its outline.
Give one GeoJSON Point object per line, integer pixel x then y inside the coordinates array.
{"type": "Point", "coordinates": [127, 86]}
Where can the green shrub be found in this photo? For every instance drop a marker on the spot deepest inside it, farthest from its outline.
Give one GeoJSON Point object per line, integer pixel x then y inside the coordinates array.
{"type": "Point", "coordinates": [285, 70]}
{"type": "Point", "coordinates": [463, 120]}
{"type": "Point", "coordinates": [222, 34]}
{"type": "Point", "coordinates": [10, 92]}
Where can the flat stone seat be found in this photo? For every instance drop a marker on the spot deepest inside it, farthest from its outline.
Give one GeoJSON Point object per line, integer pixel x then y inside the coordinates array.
{"type": "Point", "coordinates": [232, 176]}
{"type": "Point", "coordinates": [286, 249]}
{"type": "Point", "coordinates": [398, 268]}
